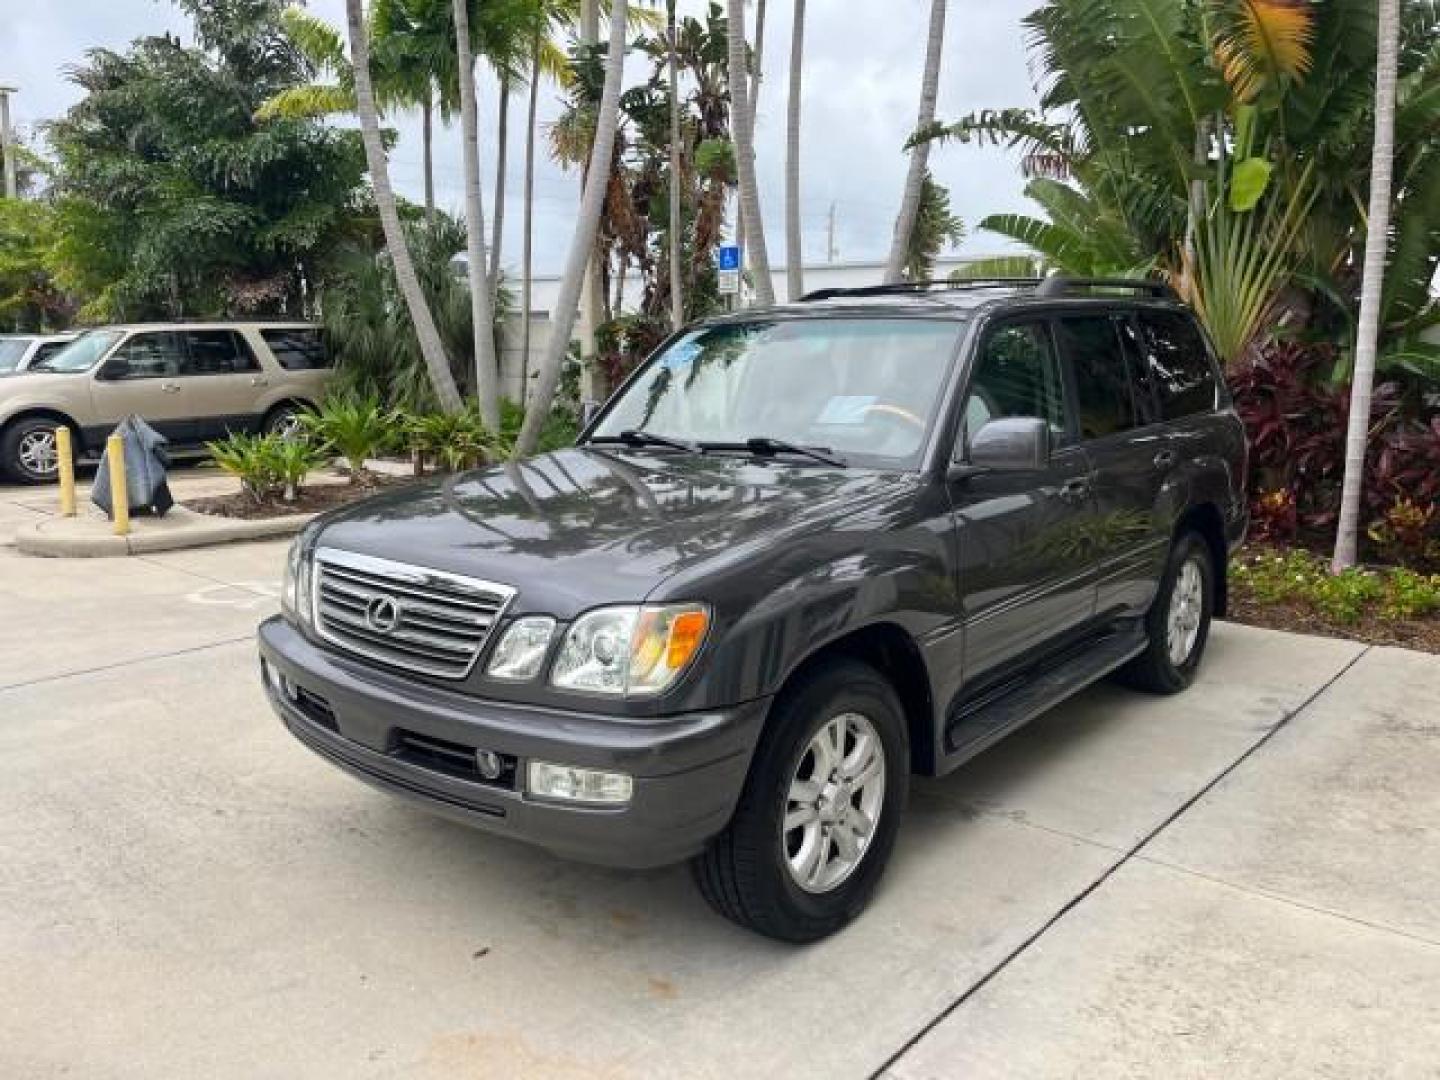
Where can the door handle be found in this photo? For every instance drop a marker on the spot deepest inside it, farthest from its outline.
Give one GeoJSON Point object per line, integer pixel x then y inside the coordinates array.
{"type": "Point", "coordinates": [1075, 490]}
{"type": "Point", "coordinates": [259, 380]}
{"type": "Point", "coordinates": [170, 387]}
{"type": "Point", "coordinates": [1165, 459]}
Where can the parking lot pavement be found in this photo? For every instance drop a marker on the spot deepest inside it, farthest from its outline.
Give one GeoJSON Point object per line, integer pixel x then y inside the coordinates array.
{"type": "Point", "coordinates": [185, 891]}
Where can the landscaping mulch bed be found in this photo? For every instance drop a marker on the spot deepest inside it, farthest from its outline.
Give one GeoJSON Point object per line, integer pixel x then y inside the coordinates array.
{"type": "Point", "coordinates": [1373, 629]}
{"type": "Point", "coordinates": [312, 500]}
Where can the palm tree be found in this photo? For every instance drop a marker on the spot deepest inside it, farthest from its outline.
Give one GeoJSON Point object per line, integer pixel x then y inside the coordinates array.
{"type": "Point", "coordinates": [446, 392]}
{"type": "Point", "coordinates": [919, 153]}
{"type": "Point", "coordinates": [794, 254]}
{"type": "Point", "coordinates": [487, 375]}
{"type": "Point", "coordinates": [743, 122]}
{"type": "Point", "coordinates": [582, 243]}
{"type": "Point", "coordinates": [677, 298]}
{"type": "Point", "coordinates": [527, 229]}
{"type": "Point", "coordinates": [1372, 284]}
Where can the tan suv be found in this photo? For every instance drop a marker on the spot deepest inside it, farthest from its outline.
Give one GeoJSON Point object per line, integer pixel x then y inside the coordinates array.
{"type": "Point", "coordinates": [190, 381]}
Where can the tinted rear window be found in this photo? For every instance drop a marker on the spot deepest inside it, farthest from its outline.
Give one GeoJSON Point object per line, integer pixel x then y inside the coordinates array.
{"type": "Point", "coordinates": [1179, 364]}
{"type": "Point", "coordinates": [298, 350]}
{"type": "Point", "coordinates": [218, 352]}
{"type": "Point", "coordinates": [1091, 345]}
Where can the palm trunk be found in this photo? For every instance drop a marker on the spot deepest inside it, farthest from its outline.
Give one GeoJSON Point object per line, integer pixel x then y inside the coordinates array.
{"type": "Point", "coordinates": [427, 137]}
{"type": "Point", "coordinates": [677, 295]}
{"type": "Point", "coordinates": [582, 243]}
{"type": "Point", "coordinates": [920, 154]}
{"type": "Point", "coordinates": [794, 255]}
{"type": "Point", "coordinates": [501, 156]}
{"type": "Point", "coordinates": [1377, 230]}
{"type": "Point", "coordinates": [487, 376]}
{"type": "Point", "coordinates": [431, 347]}
{"type": "Point", "coordinates": [527, 266]}
{"type": "Point", "coordinates": [759, 63]}
{"type": "Point", "coordinates": [742, 123]}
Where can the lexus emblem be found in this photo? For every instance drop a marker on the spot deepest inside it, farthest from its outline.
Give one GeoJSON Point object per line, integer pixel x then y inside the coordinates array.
{"type": "Point", "coordinates": [382, 614]}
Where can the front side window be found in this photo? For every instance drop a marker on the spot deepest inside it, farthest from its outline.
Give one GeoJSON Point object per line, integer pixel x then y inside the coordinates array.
{"type": "Point", "coordinates": [1016, 374]}
{"type": "Point", "coordinates": [217, 352]}
{"type": "Point", "coordinates": [1179, 364]}
{"type": "Point", "coordinates": [298, 349]}
{"type": "Point", "coordinates": [865, 388]}
{"type": "Point", "coordinates": [1104, 396]}
{"type": "Point", "coordinates": [12, 351]}
{"type": "Point", "coordinates": [82, 354]}
{"type": "Point", "coordinates": [147, 356]}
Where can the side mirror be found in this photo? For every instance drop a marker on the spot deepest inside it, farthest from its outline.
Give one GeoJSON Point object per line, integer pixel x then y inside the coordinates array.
{"type": "Point", "coordinates": [1011, 444]}
{"type": "Point", "coordinates": [117, 367]}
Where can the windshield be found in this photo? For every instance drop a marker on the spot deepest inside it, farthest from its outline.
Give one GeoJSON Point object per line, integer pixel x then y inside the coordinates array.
{"type": "Point", "coordinates": [865, 388]}
{"type": "Point", "coordinates": [81, 354]}
{"type": "Point", "coordinates": [12, 351]}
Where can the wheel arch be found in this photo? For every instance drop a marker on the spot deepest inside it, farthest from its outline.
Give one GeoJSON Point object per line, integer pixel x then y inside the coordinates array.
{"type": "Point", "coordinates": [42, 412]}
{"type": "Point", "coordinates": [292, 401]}
{"type": "Point", "coordinates": [1206, 520]}
{"type": "Point", "coordinates": [891, 651]}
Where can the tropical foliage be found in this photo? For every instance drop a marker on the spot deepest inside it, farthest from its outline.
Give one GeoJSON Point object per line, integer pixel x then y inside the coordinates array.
{"type": "Point", "coordinates": [1226, 144]}
{"type": "Point", "coordinates": [171, 199]}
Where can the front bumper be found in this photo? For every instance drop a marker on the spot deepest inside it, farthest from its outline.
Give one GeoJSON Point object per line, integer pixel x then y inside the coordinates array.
{"type": "Point", "coordinates": [688, 770]}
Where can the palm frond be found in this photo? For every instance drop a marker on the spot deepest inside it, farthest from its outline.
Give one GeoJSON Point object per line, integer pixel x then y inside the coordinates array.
{"type": "Point", "coordinates": [1261, 44]}
{"type": "Point", "coordinates": [307, 102]}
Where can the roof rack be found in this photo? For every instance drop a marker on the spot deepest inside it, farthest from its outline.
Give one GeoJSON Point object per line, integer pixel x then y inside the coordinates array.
{"type": "Point", "coordinates": [901, 288]}
{"type": "Point", "coordinates": [1061, 285]}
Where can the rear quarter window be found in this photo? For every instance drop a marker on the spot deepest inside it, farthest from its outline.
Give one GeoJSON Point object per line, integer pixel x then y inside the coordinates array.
{"type": "Point", "coordinates": [1178, 363]}
{"type": "Point", "coordinates": [298, 350]}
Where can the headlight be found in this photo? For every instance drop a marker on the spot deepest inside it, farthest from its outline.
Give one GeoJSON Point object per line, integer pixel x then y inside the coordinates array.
{"type": "Point", "coordinates": [630, 650]}
{"type": "Point", "coordinates": [522, 650]}
{"type": "Point", "coordinates": [295, 589]}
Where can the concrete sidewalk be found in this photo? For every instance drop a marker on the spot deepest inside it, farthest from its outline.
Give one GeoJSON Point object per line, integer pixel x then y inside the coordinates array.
{"type": "Point", "coordinates": [1235, 881]}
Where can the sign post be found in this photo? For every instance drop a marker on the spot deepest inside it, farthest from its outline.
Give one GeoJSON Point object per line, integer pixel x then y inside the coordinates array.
{"type": "Point", "coordinates": [727, 262]}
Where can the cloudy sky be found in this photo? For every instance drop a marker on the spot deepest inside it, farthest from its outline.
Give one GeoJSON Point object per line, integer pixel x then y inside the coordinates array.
{"type": "Point", "coordinates": [862, 74]}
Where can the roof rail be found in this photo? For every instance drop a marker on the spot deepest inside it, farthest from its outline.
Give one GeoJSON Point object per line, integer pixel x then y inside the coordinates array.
{"type": "Point", "coordinates": [901, 288]}
{"type": "Point", "coordinates": [1061, 285]}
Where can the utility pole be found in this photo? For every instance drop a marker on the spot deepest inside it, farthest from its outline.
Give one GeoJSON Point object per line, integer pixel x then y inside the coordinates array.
{"type": "Point", "coordinates": [830, 251]}
{"type": "Point", "coordinates": [7, 140]}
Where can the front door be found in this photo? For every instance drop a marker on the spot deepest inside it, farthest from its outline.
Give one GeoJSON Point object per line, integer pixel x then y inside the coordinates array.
{"type": "Point", "coordinates": [1024, 577]}
{"type": "Point", "coordinates": [143, 376]}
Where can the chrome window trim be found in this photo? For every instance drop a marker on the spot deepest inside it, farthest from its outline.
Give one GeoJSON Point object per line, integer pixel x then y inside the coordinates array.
{"type": "Point", "coordinates": [420, 576]}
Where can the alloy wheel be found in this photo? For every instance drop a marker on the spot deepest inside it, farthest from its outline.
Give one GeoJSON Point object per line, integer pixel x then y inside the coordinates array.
{"type": "Point", "coordinates": [833, 803]}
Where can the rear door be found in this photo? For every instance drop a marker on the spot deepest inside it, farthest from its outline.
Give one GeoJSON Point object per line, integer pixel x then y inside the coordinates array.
{"type": "Point", "coordinates": [143, 376]}
{"type": "Point", "coordinates": [223, 382]}
{"type": "Point", "coordinates": [1023, 575]}
{"type": "Point", "coordinates": [1129, 453]}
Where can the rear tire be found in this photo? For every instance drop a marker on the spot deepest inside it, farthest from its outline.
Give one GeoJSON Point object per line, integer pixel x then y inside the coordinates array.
{"type": "Point", "coordinates": [28, 452]}
{"type": "Point", "coordinates": [284, 421]}
{"type": "Point", "coordinates": [1178, 622]}
{"type": "Point", "coordinates": [802, 856]}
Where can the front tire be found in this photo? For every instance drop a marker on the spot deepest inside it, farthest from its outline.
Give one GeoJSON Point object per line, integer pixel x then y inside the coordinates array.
{"type": "Point", "coordinates": [1178, 622]}
{"type": "Point", "coordinates": [817, 819]}
{"type": "Point", "coordinates": [29, 451]}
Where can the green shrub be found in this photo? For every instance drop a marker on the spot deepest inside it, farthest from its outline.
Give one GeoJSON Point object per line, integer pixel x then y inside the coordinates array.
{"type": "Point", "coordinates": [450, 441]}
{"type": "Point", "coordinates": [268, 467]}
{"type": "Point", "coordinates": [1344, 597]}
{"type": "Point", "coordinates": [1409, 595]}
{"type": "Point", "coordinates": [355, 428]}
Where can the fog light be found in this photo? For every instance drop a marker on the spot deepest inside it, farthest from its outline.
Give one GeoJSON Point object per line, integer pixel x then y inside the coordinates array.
{"type": "Point", "coordinates": [578, 785]}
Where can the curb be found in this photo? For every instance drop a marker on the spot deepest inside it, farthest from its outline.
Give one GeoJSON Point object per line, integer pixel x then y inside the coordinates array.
{"type": "Point", "coordinates": [47, 537]}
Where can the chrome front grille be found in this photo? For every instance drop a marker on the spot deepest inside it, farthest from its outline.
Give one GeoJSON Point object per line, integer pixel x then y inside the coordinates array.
{"type": "Point", "coordinates": [409, 617]}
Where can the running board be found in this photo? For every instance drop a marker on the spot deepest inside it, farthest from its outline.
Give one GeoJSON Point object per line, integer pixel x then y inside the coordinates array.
{"type": "Point", "coordinates": [992, 717]}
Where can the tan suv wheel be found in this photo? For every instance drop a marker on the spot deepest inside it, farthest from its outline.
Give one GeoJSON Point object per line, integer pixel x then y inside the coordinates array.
{"type": "Point", "coordinates": [29, 451]}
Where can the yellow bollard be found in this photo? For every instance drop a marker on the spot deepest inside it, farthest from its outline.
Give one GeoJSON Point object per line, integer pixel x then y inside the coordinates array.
{"type": "Point", "coordinates": [66, 454]}
{"type": "Point", "coordinates": [119, 489]}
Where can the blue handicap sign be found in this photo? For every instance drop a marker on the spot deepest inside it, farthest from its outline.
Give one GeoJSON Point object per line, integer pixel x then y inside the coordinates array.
{"type": "Point", "coordinates": [729, 257]}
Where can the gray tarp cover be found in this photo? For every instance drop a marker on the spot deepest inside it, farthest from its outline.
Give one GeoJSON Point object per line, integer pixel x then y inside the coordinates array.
{"type": "Point", "coordinates": [145, 461]}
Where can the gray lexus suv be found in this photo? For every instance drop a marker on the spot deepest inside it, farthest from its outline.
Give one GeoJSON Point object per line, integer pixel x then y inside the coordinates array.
{"type": "Point", "coordinates": [800, 555]}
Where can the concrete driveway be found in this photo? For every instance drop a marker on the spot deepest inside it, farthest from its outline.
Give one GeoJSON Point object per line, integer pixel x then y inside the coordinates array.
{"type": "Point", "coordinates": [1238, 881]}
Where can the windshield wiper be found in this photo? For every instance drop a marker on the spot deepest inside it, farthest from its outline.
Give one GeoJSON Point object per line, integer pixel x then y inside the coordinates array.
{"type": "Point", "coordinates": [637, 437]}
{"type": "Point", "coordinates": [769, 447]}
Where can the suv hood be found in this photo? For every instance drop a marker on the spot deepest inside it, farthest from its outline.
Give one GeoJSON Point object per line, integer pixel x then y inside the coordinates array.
{"type": "Point", "coordinates": [587, 526]}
